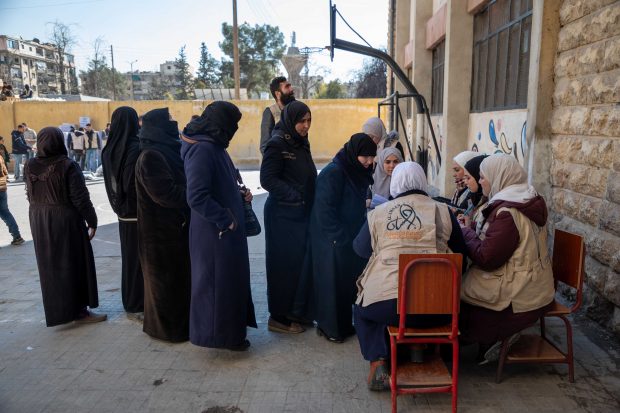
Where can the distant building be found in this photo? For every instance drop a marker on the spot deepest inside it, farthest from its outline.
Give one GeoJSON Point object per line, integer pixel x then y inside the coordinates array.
{"type": "Point", "coordinates": [153, 85]}
{"type": "Point", "coordinates": [30, 62]}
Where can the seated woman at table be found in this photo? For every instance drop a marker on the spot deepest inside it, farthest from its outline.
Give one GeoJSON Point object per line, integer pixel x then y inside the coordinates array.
{"type": "Point", "coordinates": [426, 226]}
{"type": "Point", "coordinates": [510, 284]}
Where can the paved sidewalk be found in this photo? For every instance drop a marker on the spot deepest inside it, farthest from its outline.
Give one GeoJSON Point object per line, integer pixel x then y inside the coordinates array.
{"type": "Point", "coordinates": [115, 367]}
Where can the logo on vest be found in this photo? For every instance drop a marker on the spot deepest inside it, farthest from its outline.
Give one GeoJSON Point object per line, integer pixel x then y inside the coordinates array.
{"type": "Point", "coordinates": [403, 216]}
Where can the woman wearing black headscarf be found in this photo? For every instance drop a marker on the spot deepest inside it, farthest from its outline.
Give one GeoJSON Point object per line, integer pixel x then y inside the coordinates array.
{"type": "Point", "coordinates": [221, 305]}
{"type": "Point", "coordinates": [119, 165]}
{"type": "Point", "coordinates": [477, 201]}
{"type": "Point", "coordinates": [163, 224]}
{"type": "Point", "coordinates": [338, 213]}
{"type": "Point", "coordinates": [288, 173]}
{"type": "Point", "coordinates": [60, 211]}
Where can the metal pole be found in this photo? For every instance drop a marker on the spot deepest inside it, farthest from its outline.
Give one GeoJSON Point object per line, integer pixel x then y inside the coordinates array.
{"type": "Point", "coordinates": [131, 66]}
{"type": "Point", "coordinates": [113, 74]}
{"type": "Point", "coordinates": [236, 51]}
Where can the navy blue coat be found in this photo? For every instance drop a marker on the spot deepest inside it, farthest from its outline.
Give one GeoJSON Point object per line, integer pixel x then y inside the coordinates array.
{"type": "Point", "coordinates": [221, 301]}
{"type": "Point", "coordinates": [338, 213]}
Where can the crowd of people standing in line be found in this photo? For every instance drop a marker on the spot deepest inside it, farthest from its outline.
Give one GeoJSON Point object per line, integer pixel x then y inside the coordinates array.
{"type": "Point", "coordinates": [332, 239]}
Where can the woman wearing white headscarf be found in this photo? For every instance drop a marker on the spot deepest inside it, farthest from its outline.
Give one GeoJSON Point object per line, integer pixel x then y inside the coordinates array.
{"type": "Point", "coordinates": [462, 193]}
{"type": "Point", "coordinates": [410, 223]}
{"type": "Point", "coordinates": [387, 159]}
{"type": "Point", "coordinates": [510, 283]}
{"type": "Point", "coordinates": [375, 128]}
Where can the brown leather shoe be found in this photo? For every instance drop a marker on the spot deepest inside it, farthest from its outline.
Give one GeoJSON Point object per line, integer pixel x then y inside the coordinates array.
{"type": "Point", "coordinates": [91, 317]}
{"type": "Point", "coordinates": [278, 327]}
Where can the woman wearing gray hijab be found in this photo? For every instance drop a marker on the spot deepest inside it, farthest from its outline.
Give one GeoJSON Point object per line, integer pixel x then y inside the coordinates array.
{"type": "Point", "coordinates": [375, 128]}
{"type": "Point", "coordinates": [387, 160]}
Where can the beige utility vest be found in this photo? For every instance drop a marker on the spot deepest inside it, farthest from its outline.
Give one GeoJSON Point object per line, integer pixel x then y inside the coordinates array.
{"type": "Point", "coordinates": [412, 224]}
{"type": "Point", "coordinates": [276, 112]}
{"type": "Point", "coordinates": [77, 142]}
{"type": "Point", "coordinates": [525, 280]}
{"type": "Point", "coordinates": [94, 144]}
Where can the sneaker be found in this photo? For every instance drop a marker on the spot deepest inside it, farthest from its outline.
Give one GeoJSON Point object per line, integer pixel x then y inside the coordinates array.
{"type": "Point", "coordinates": [378, 376]}
{"type": "Point", "coordinates": [277, 327]}
{"type": "Point", "coordinates": [17, 241]}
{"type": "Point", "coordinates": [91, 317]}
{"type": "Point", "coordinates": [492, 354]}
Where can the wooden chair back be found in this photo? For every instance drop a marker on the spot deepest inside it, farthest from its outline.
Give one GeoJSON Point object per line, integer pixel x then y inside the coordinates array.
{"type": "Point", "coordinates": [427, 283]}
{"type": "Point", "coordinates": [568, 258]}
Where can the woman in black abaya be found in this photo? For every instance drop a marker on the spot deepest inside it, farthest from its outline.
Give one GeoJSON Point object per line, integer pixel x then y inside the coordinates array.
{"type": "Point", "coordinates": [288, 173]}
{"type": "Point", "coordinates": [62, 221]}
{"type": "Point", "coordinates": [338, 213]}
{"type": "Point", "coordinates": [163, 226]}
{"type": "Point", "coordinates": [119, 164]}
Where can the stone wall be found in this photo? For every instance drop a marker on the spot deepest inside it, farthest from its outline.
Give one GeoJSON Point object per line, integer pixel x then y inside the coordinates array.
{"type": "Point", "coordinates": [585, 128]}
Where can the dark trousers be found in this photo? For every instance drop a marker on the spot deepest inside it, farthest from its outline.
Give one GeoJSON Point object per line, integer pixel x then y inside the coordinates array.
{"type": "Point", "coordinates": [371, 324]}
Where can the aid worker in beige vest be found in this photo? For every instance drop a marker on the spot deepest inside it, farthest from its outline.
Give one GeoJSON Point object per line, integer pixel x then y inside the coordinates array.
{"type": "Point", "coordinates": [410, 223]}
{"type": "Point", "coordinates": [510, 283]}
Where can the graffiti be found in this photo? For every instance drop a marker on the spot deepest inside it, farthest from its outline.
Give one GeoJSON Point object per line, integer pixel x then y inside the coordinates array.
{"type": "Point", "coordinates": [506, 133]}
{"type": "Point", "coordinates": [434, 164]}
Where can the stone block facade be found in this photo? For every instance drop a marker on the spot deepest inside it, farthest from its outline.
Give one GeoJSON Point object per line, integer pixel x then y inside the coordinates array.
{"type": "Point", "coordinates": [585, 130]}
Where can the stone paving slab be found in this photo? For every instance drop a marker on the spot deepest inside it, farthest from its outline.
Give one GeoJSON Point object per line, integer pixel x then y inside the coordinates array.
{"type": "Point", "coordinates": [115, 367]}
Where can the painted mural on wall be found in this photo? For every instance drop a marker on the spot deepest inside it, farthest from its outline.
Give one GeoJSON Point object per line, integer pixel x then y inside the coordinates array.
{"type": "Point", "coordinates": [499, 132]}
{"type": "Point", "coordinates": [434, 166]}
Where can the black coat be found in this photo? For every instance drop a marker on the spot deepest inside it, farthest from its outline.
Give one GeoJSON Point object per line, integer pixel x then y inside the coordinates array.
{"type": "Point", "coordinates": [288, 173]}
{"type": "Point", "coordinates": [163, 226]}
{"type": "Point", "coordinates": [221, 304]}
{"type": "Point", "coordinates": [59, 208]}
{"type": "Point", "coordinates": [338, 213]}
{"type": "Point", "coordinates": [20, 147]}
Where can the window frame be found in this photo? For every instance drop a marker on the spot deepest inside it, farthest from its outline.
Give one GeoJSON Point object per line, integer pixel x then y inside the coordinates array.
{"type": "Point", "coordinates": [487, 77]}
{"type": "Point", "coordinates": [437, 78]}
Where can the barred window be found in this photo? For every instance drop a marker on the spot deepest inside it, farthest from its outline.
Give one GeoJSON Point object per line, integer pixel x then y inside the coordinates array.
{"type": "Point", "coordinates": [501, 55]}
{"type": "Point", "coordinates": [439, 54]}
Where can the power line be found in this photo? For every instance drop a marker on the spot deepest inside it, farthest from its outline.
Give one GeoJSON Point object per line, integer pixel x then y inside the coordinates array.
{"type": "Point", "coordinates": [51, 5]}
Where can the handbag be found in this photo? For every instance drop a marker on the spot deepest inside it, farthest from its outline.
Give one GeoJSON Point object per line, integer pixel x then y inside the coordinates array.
{"type": "Point", "coordinates": [252, 225]}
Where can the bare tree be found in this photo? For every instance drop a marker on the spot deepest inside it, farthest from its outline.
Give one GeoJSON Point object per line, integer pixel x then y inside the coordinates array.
{"type": "Point", "coordinates": [98, 59]}
{"type": "Point", "coordinates": [311, 78]}
{"type": "Point", "coordinates": [62, 37]}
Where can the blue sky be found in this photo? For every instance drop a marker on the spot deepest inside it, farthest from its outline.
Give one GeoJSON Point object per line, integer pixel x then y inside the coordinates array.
{"type": "Point", "coordinates": [153, 31]}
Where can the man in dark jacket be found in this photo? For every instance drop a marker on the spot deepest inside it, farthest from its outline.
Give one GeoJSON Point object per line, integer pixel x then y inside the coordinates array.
{"type": "Point", "coordinates": [283, 92]}
{"type": "Point", "coordinates": [20, 149]}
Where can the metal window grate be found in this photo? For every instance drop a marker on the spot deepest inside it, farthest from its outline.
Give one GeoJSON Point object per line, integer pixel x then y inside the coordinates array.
{"type": "Point", "coordinates": [439, 55]}
{"type": "Point", "coordinates": [501, 55]}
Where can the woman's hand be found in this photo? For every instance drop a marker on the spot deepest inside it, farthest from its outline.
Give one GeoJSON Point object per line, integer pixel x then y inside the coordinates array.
{"type": "Point", "coordinates": [91, 233]}
{"type": "Point", "coordinates": [247, 195]}
{"type": "Point", "coordinates": [464, 220]}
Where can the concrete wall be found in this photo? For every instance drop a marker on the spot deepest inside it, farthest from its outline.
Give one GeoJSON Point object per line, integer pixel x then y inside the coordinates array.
{"type": "Point", "coordinates": [585, 145]}
{"type": "Point", "coordinates": [333, 121]}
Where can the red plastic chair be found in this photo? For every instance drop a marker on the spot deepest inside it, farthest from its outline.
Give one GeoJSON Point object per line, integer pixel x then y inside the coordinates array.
{"type": "Point", "coordinates": [428, 284]}
{"type": "Point", "coordinates": [568, 265]}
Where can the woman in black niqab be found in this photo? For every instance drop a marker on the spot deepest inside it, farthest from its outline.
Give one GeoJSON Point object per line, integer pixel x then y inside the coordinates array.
{"type": "Point", "coordinates": [163, 223]}
{"type": "Point", "coordinates": [119, 164]}
{"type": "Point", "coordinates": [60, 211]}
{"type": "Point", "coordinates": [221, 302]}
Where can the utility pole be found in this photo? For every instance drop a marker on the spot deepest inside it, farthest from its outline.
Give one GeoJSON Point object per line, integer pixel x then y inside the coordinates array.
{"type": "Point", "coordinates": [113, 74]}
{"type": "Point", "coordinates": [131, 65]}
{"type": "Point", "coordinates": [236, 51]}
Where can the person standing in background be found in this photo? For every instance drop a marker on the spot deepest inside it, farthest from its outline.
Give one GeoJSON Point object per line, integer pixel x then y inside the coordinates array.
{"type": "Point", "coordinates": [283, 92]}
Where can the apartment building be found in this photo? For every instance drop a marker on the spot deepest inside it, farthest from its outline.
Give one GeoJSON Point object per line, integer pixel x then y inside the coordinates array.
{"type": "Point", "coordinates": [30, 62]}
